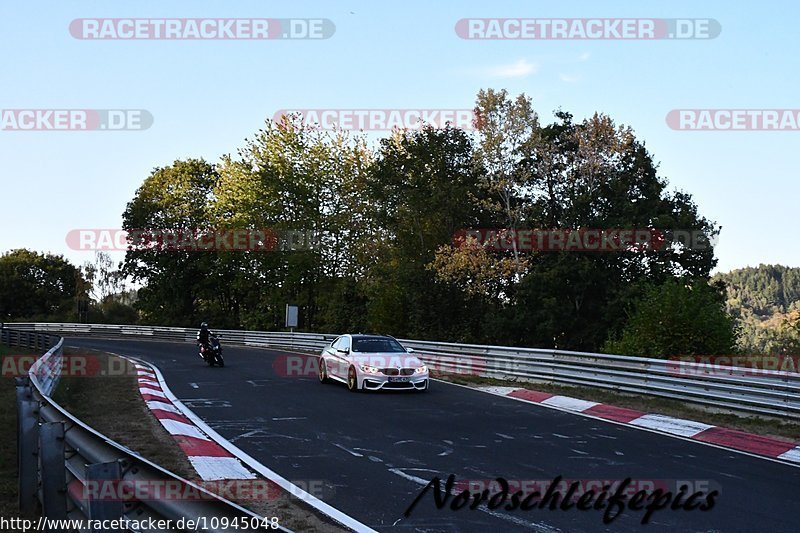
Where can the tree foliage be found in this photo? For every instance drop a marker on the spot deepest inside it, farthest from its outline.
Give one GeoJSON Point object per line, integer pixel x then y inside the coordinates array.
{"type": "Point", "coordinates": [386, 218]}
{"type": "Point", "coordinates": [765, 301]}
{"type": "Point", "coordinates": [173, 198]}
{"type": "Point", "coordinates": [677, 318]}
{"type": "Point", "coordinates": [38, 286]}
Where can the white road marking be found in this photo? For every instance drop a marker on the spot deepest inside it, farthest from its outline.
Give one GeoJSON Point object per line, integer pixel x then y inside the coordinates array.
{"type": "Point", "coordinates": [351, 452]}
{"type": "Point", "coordinates": [570, 404]}
{"type": "Point", "coordinates": [151, 404]}
{"type": "Point", "coordinates": [216, 468]}
{"type": "Point", "coordinates": [182, 428]}
{"type": "Point", "coordinates": [791, 455]}
{"type": "Point", "coordinates": [245, 435]}
{"type": "Point", "coordinates": [500, 391]}
{"type": "Point", "coordinates": [668, 424]}
{"type": "Point", "coordinates": [409, 477]}
{"type": "Point", "coordinates": [153, 392]}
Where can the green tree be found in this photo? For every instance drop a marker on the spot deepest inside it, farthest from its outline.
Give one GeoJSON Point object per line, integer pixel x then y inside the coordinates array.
{"type": "Point", "coordinates": [37, 286]}
{"type": "Point", "coordinates": [677, 318]}
{"type": "Point", "coordinates": [422, 188]}
{"type": "Point", "coordinates": [572, 176]}
{"type": "Point", "coordinates": [385, 220]}
{"type": "Point", "coordinates": [507, 134]}
{"type": "Point", "coordinates": [176, 198]}
{"type": "Point", "coordinates": [764, 300]}
{"type": "Point", "coordinates": [290, 177]}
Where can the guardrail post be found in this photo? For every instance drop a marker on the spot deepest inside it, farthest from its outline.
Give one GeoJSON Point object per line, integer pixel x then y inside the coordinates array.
{"type": "Point", "coordinates": [23, 386]}
{"type": "Point", "coordinates": [104, 509]}
{"type": "Point", "coordinates": [27, 460]}
{"type": "Point", "coordinates": [54, 472]}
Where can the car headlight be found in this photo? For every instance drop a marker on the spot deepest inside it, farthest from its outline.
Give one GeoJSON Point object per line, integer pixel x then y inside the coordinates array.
{"type": "Point", "coordinates": [421, 370]}
{"type": "Point", "coordinates": [369, 369]}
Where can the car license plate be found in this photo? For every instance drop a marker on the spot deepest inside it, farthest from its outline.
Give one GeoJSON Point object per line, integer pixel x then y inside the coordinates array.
{"type": "Point", "coordinates": [398, 379]}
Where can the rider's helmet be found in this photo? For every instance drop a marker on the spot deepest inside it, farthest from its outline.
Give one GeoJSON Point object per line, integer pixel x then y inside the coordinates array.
{"type": "Point", "coordinates": [204, 325]}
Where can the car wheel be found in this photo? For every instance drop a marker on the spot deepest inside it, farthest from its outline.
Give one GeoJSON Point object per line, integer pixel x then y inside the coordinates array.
{"type": "Point", "coordinates": [323, 371]}
{"type": "Point", "coordinates": [352, 379]}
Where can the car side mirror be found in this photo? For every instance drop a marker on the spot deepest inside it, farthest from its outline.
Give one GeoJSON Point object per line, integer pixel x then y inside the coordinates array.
{"type": "Point", "coordinates": [409, 350]}
{"type": "Point", "coordinates": [343, 350]}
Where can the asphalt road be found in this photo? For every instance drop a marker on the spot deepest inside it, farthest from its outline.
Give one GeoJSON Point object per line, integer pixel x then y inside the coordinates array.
{"type": "Point", "coordinates": [370, 454]}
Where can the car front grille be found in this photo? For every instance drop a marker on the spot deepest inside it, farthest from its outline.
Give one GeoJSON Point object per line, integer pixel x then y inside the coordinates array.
{"type": "Point", "coordinates": [397, 372]}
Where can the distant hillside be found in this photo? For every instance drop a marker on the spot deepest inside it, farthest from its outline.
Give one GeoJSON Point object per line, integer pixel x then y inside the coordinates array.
{"type": "Point", "coordinates": [765, 300]}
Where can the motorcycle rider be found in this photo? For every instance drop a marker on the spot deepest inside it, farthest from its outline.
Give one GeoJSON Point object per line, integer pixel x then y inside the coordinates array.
{"type": "Point", "coordinates": [203, 337]}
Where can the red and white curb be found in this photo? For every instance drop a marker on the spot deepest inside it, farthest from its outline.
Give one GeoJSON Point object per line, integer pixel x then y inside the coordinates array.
{"type": "Point", "coordinates": [209, 452]}
{"type": "Point", "coordinates": [679, 427]}
{"type": "Point", "coordinates": [211, 461]}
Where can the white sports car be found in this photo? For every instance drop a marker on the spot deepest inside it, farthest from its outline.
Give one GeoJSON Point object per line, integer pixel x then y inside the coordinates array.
{"type": "Point", "coordinates": [372, 362]}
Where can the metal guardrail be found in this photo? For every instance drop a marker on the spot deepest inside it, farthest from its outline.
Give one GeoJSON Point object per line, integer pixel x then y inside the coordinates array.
{"type": "Point", "coordinates": [748, 390]}
{"type": "Point", "coordinates": [26, 339]}
{"type": "Point", "coordinates": [72, 472]}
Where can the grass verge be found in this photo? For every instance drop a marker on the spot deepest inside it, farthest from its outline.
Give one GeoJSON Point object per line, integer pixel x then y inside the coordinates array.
{"type": "Point", "coordinates": [768, 426]}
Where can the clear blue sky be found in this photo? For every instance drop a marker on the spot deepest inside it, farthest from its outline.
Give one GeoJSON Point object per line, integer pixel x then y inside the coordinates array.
{"type": "Point", "coordinates": [208, 96]}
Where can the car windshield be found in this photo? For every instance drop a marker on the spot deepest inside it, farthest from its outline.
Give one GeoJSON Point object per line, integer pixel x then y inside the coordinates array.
{"type": "Point", "coordinates": [376, 344]}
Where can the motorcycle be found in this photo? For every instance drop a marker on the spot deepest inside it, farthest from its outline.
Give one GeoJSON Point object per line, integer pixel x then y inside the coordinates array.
{"type": "Point", "coordinates": [212, 354]}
